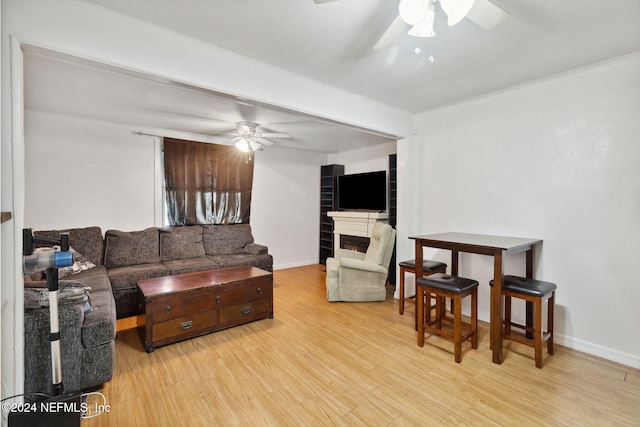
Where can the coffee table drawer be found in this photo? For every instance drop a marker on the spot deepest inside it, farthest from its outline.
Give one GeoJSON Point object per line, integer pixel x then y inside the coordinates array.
{"type": "Point", "coordinates": [260, 288]}
{"type": "Point", "coordinates": [184, 325]}
{"type": "Point", "coordinates": [241, 292]}
{"type": "Point", "coordinates": [174, 306]}
{"type": "Point", "coordinates": [242, 313]}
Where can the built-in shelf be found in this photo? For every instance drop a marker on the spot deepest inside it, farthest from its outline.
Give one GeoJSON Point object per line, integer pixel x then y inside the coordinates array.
{"type": "Point", "coordinates": [6, 216]}
{"type": "Point", "coordinates": [393, 209]}
{"type": "Point", "coordinates": [328, 203]}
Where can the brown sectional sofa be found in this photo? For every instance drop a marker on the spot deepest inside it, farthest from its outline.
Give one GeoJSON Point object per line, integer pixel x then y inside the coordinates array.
{"type": "Point", "coordinates": [121, 259]}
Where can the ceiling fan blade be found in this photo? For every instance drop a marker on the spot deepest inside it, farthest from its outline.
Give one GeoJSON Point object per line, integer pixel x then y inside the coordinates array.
{"type": "Point", "coordinates": [275, 135]}
{"type": "Point", "coordinates": [264, 141]}
{"type": "Point", "coordinates": [255, 145]}
{"type": "Point", "coordinates": [395, 29]}
{"type": "Point", "coordinates": [224, 132]}
{"type": "Point", "coordinates": [486, 14]}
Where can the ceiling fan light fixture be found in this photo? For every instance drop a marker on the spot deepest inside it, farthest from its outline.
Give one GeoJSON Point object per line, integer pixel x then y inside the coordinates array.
{"type": "Point", "coordinates": [246, 127]}
{"type": "Point", "coordinates": [413, 12]}
{"type": "Point", "coordinates": [243, 145]}
{"type": "Point", "coordinates": [425, 28]}
{"type": "Point", "coordinates": [456, 10]}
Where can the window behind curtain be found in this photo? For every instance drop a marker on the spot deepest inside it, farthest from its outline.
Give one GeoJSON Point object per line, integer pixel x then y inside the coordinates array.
{"type": "Point", "coordinates": [206, 183]}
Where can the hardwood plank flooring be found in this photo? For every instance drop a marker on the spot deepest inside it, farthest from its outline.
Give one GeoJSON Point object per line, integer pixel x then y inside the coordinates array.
{"type": "Point", "coordinates": [356, 364]}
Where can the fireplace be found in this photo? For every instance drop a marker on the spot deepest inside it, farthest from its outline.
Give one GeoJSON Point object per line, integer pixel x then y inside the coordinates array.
{"type": "Point", "coordinates": [352, 229]}
{"type": "Point", "coordinates": [354, 243]}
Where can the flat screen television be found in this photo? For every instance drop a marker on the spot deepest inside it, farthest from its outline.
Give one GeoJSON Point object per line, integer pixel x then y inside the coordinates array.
{"type": "Point", "coordinates": [363, 191]}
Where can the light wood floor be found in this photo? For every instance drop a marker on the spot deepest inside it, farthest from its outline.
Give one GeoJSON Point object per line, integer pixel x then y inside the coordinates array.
{"type": "Point", "coordinates": [356, 364]}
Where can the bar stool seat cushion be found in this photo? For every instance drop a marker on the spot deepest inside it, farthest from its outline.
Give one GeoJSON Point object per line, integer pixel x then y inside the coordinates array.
{"type": "Point", "coordinates": [445, 282]}
{"type": "Point", "coordinates": [427, 265]}
{"type": "Point", "coordinates": [525, 286]}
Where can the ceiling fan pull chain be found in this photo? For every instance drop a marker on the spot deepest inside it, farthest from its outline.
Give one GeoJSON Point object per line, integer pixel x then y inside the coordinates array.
{"type": "Point", "coordinates": [431, 57]}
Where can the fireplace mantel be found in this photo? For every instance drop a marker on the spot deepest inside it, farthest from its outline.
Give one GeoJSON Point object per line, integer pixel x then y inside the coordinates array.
{"type": "Point", "coordinates": [354, 223]}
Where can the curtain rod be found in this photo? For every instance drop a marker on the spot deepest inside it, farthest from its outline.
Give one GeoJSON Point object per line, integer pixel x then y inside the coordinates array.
{"type": "Point", "coordinates": [189, 136]}
{"type": "Point", "coordinates": [145, 134]}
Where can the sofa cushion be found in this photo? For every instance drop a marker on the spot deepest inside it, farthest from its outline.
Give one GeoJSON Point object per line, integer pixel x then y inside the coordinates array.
{"type": "Point", "coordinates": [256, 249]}
{"type": "Point", "coordinates": [231, 260]}
{"type": "Point", "coordinates": [264, 261]}
{"type": "Point", "coordinates": [181, 242]}
{"type": "Point", "coordinates": [88, 241]}
{"type": "Point", "coordinates": [127, 277]}
{"type": "Point", "coordinates": [124, 248]}
{"type": "Point", "coordinates": [226, 239]}
{"type": "Point", "coordinates": [99, 325]}
{"type": "Point", "coordinates": [190, 265]}
{"type": "Point", "coordinates": [96, 279]}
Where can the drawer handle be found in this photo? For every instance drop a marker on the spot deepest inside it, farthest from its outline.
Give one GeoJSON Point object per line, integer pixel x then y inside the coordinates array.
{"type": "Point", "coordinates": [218, 300]}
{"type": "Point", "coordinates": [246, 310]}
{"type": "Point", "coordinates": [186, 325]}
{"type": "Point", "coordinates": [260, 291]}
{"type": "Point", "coordinates": [167, 309]}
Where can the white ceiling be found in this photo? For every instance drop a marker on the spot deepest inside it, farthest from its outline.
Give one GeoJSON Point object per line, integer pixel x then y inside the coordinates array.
{"type": "Point", "coordinates": [332, 43]}
{"type": "Point", "coordinates": [61, 84]}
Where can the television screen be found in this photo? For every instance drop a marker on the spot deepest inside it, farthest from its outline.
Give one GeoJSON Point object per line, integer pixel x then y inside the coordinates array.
{"type": "Point", "coordinates": [363, 191]}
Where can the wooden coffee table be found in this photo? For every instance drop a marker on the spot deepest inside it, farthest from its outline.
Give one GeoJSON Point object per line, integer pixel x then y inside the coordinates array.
{"type": "Point", "coordinates": [184, 306]}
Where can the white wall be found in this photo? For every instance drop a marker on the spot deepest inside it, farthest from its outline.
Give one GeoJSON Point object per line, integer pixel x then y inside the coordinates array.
{"type": "Point", "coordinates": [556, 160]}
{"type": "Point", "coordinates": [81, 173]}
{"type": "Point", "coordinates": [285, 205]}
{"type": "Point", "coordinates": [371, 159]}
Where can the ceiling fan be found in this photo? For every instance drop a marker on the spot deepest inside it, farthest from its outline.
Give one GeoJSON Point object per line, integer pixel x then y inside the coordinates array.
{"type": "Point", "coordinates": [420, 14]}
{"type": "Point", "coordinates": [247, 138]}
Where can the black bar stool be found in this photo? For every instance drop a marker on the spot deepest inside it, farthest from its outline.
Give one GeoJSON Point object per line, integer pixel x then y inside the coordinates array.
{"type": "Point", "coordinates": [534, 291]}
{"type": "Point", "coordinates": [454, 287]}
{"type": "Point", "coordinates": [428, 267]}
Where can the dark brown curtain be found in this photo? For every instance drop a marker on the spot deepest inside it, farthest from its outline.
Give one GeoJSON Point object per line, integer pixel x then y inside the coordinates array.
{"type": "Point", "coordinates": [206, 183]}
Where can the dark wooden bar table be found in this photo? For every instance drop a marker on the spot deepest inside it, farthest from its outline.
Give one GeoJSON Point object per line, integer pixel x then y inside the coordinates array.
{"type": "Point", "coordinates": [496, 246]}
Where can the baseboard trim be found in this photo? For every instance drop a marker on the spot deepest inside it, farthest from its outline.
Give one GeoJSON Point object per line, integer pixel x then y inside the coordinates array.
{"type": "Point", "coordinates": [295, 264]}
{"type": "Point", "coordinates": [598, 350]}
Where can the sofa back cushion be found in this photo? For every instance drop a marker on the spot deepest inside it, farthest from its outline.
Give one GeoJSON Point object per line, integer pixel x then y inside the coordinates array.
{"type": "Point", "coordinates": [226, 239]}
{"type": "Point", "coordinates": [87, 241]}
{"type": "Point", "coordinates": [123, 248]}
{"type": "Point", "coordinates": [181, 243]}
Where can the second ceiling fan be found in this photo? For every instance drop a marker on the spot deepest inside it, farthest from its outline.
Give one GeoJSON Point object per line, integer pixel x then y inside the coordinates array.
{"type": "Point", "coordinates": [247, 138]}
